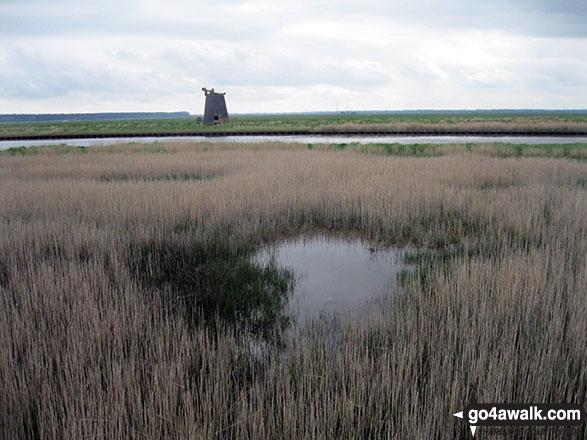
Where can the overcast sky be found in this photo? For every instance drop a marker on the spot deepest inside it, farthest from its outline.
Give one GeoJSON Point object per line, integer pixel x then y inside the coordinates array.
{"type": "Point", "coordinates": [61, 56]}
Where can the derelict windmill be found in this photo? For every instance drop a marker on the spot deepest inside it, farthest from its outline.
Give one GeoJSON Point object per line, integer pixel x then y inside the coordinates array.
{"type": "Point", "coordinates": [215, 109]}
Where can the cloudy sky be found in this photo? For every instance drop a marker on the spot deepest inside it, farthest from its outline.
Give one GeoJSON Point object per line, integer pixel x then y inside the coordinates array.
{"type": "Point", "coordinates": [59, 56]}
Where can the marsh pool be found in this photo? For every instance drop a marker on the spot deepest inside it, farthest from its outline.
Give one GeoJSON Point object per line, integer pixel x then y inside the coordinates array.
{"type": "Point", "coordinates": [335, 275]}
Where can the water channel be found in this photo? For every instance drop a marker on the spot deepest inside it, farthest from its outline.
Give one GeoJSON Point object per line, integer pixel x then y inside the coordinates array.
{"type": "Point", "coordinates": [305, 139]}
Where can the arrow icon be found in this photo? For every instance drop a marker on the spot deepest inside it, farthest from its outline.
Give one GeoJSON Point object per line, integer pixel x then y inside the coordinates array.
{"type": "Point", "coordinates": [460, 416]}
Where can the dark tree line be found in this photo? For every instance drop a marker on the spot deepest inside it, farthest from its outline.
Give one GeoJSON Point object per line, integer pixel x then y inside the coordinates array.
{"type": "Point", "coordinates": [66, 117]}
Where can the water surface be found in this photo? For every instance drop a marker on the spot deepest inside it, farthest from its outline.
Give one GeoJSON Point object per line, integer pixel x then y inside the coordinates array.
{"type": "Point", "coordinates": [335, 275]}
{"type": "Point", "coordinates": [315, 139]}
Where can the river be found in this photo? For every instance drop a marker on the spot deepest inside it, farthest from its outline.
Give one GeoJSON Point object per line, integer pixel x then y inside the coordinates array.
{"type": "Point", "coordinates": [306, 139]}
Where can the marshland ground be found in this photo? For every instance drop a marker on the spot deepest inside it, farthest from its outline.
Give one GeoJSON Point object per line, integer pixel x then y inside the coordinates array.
{"type": "Point", "coordinates": [515, 121]}
{"type": "Point", "coordinates": [128, 298]}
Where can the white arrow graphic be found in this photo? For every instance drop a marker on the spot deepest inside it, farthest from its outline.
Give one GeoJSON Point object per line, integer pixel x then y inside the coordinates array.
{"type": "Point", "coordinates": [460, 416]}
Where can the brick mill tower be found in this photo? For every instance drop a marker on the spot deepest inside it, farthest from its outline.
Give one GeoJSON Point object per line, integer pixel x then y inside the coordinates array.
{"type": "Point", "coordinates": [215, 109]}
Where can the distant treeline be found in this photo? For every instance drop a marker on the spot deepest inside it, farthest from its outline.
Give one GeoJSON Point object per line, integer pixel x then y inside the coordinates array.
{"type": "Point", "coordinates": [66, 117]}
{"type": "Point", "coordinates": [425, 112]}
{"type": "Point", "coordinates": [488, 112]}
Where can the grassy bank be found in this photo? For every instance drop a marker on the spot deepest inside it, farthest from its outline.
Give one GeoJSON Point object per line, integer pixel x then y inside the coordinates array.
{"type": "Point", "coordinates": [577, 151]}
{"type": "Point", "coordinates": [126, 298]}
{"type": "Point", "coordinates": [495, 149]}
{"type": "Point", "coordinates": [516, 122]}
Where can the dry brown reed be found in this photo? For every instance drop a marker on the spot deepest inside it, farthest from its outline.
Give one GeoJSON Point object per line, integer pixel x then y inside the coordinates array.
{"type": "Point", "coordinates": [88, 350]}
{"type": "Point", "coordinates": [507, 124]}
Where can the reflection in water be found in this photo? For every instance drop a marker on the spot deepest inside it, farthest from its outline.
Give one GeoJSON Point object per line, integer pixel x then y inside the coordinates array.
{"type": "Point", "coordinates": [334, 275]}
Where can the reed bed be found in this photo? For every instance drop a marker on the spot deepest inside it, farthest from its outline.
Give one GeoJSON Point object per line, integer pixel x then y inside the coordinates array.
{"type": "Point", "coordinates": [512, 125]}
{"type": "Point", "coordinates": [108, 262]}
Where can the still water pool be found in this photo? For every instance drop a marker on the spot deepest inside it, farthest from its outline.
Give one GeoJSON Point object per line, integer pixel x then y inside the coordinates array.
{"type": "Point", "coordinates": [335, 275]}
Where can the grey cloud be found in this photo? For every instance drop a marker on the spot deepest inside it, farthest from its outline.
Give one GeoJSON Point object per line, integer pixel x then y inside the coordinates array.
{"type": "Point", "coordinates": [246, 67]}
{"type": "Point", "coordinates": [40, 18]}
{"type": "Point", "coordinates": [566, 7]}
{"type": "Point", "coordinates": [31, 75]}
{"type": "Point", "coordinates": [541, 18]}
{"type": "Point", "coordinates": [146, 49]}
{"type": "Point", "coordinates": [225, 21]}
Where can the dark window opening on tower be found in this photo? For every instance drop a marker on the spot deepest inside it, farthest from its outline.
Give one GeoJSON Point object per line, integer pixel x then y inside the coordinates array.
{"type": "Point", "coordinates": [215, 117]}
